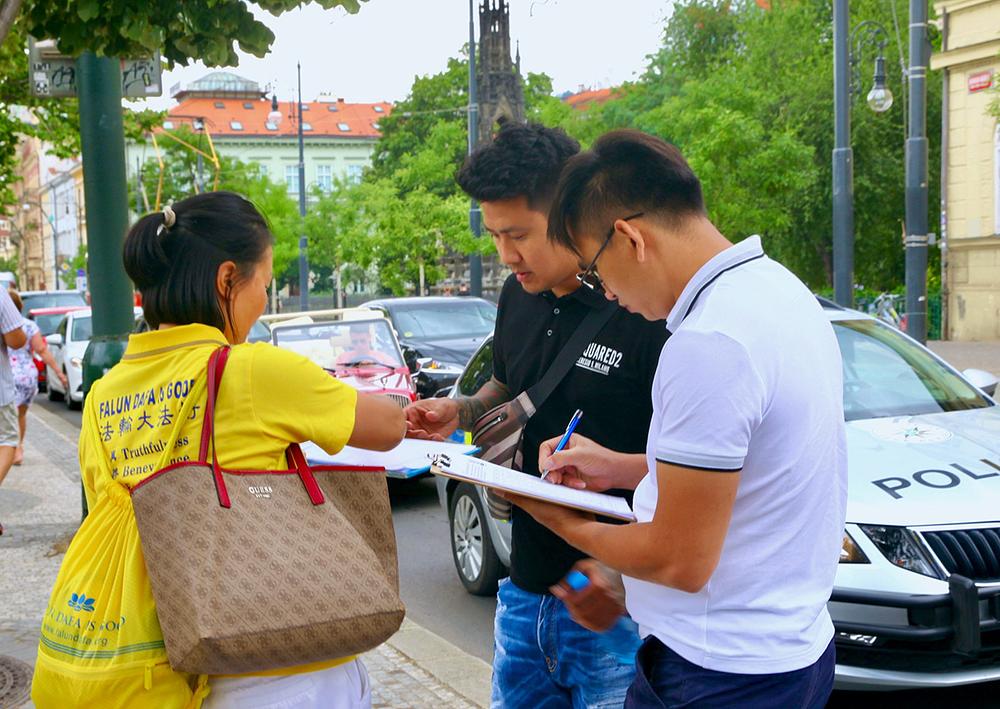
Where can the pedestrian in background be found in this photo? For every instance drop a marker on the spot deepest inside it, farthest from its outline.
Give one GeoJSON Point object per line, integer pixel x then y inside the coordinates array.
{"type": "Point", "coordinates": [548, 648]}
{"type": "Point", "coordinates": [741, 513]}
{"type": "Point", "coordinates": [25, 372]}
{"type": "Point", "coordinates": [11, 325]}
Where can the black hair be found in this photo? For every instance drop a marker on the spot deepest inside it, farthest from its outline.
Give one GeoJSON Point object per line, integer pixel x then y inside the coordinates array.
{"type": "Point", "coordinates": [626, 171]}
{"type": "Point", "coordinates": [173, 256]}
{"type": "Point", "coordinates": [522, 161]}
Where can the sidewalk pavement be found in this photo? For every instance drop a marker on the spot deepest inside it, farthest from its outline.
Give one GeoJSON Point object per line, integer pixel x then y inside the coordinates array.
{"type": "Point", "coordinates": [40, 509]}
{"type": "Point", "coordinates": [963, 355]}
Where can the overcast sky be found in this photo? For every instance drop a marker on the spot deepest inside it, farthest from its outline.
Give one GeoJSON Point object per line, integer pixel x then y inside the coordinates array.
{"type": "Point", "coordinates": [375, 54]}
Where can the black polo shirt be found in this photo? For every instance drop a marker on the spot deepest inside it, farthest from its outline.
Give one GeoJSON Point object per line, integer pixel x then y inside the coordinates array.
{"type": "Point", "coordinates": [611, 384]}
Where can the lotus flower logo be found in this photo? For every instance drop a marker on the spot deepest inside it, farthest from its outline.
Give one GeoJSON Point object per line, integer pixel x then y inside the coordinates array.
{"type": "Point", "coordinates": [80, 602]}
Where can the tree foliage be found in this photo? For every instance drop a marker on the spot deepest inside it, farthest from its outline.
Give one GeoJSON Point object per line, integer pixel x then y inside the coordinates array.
{"type": "Point", "coordinates": [746, 94]}
{"type": "Point", "coordinates": [182, 30]}
{"type": "Point", "coordinates": [181, 179]}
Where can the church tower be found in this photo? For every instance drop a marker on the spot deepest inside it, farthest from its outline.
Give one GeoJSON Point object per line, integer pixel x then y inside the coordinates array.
{"type": "Point", "coordinates": [501, 97]}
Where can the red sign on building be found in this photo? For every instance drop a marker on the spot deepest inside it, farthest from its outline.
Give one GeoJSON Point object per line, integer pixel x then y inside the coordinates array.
{"type": "Point", "coordinates": [982, 80]}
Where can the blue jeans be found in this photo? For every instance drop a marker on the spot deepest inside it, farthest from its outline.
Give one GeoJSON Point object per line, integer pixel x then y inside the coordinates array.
{"type": "Point", "coordinates": [542, 659]}
{"type": "Point", "coordinates": [665, 679]}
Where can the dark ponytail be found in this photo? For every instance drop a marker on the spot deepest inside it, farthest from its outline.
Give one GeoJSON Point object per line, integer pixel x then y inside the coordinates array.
{"type": "Point", "coordinates": [173, 256]}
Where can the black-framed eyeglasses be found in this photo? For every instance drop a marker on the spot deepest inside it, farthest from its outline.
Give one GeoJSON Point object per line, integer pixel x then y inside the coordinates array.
{"type": "Point", "coordinates": [589, 276]}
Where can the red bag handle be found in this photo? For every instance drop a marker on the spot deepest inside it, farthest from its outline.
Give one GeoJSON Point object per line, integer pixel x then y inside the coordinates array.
{"type": "Point", "coordinates": [296, 458]}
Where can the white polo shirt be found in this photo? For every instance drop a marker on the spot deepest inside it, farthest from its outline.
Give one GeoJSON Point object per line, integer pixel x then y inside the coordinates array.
{"type": "Point", "coordinates": [751, 380]}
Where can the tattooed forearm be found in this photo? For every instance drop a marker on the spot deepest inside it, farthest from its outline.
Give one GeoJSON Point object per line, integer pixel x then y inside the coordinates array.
{"type": "Point", "coordinates": [493, 393]}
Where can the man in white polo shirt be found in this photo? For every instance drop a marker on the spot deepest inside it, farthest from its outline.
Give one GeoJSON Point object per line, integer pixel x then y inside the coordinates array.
{"type": "Point", "coordinates": [741, 511]}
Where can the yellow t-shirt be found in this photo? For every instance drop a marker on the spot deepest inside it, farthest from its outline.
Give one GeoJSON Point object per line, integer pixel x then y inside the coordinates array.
{"type": "Point", "coordinates": [269, 398]}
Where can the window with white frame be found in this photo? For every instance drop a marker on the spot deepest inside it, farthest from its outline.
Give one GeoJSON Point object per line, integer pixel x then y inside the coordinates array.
{"type": "Point", "coordinates": [292, 179]}
{"type": "Point", "coordinates": [354, 173]}
{"type": "Point", "coordinates": [324, 177]}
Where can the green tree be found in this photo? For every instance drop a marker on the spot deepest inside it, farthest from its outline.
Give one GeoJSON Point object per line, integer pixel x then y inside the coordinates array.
{"type": "Point", "coordinates": [180, 180]}
{"type": "Point", "coordinates": [746, 94]}
{"type": "Point", "coordinates": [182, 30]}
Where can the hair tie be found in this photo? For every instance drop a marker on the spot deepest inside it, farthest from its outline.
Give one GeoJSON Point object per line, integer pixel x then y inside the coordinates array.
{"type": "Point", "coordinates": [169, 219]}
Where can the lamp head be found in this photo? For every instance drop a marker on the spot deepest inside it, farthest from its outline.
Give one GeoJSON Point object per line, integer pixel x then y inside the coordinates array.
{"type": "Point", "coordinates": [880, 97]}
{"type": "Point", "coordinates": [275, 115]}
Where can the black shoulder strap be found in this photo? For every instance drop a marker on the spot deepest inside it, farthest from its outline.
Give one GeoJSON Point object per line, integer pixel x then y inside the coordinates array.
{"type": "Point", "coordinates": [570, 353]}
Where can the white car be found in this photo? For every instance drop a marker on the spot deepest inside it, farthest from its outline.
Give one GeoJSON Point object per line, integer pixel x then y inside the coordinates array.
{"type": "Point", "coordinates": [917, 596]}
{"type": "Point", "coordinates": [68, 344]}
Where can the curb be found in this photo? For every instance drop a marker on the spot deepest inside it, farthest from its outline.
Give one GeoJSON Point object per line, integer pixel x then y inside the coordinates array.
{"type": "Point", "coordinates": [454, 668]}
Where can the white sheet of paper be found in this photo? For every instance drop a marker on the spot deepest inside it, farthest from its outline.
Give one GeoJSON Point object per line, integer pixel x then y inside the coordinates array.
{"type": "Point", "coordinates": [480, 472]}
{"type": "Point", "coordinates": [411, 454]}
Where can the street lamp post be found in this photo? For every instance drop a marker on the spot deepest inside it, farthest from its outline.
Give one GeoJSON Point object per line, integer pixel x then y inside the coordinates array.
{"type": "Point", "coordinates": [275, 117]}
{"type": "Point", "coordinates": [846, 83]}
{"type": "Point", "coordinates": [303, 239]}
{"type": "Point", "coordinates": [475, 260]}
{"type": "Point", "coordinates": [916, 177]}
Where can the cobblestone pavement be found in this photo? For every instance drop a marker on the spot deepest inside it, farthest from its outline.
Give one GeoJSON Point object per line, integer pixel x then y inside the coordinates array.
{"type": "Point", "coordinates": [40, 509]}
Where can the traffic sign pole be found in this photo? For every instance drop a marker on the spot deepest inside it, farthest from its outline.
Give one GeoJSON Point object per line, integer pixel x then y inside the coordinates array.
{"type": "Point", "coordinates": [102, 142]}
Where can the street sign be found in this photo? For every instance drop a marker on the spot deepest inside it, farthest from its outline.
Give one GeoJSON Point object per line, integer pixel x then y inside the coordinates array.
{"type": "Point", "coordinates": [81, 279]}
{"type": "Point", "coordinates": [979, 82]}
{"type": "Point", "coordinates": [53, 75]}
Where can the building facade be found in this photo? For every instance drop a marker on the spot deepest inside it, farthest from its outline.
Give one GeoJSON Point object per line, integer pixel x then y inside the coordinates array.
{"type": "Point", "coordinates": [235, 114]}
{"type": "Point", "coordinates": [970, 63]}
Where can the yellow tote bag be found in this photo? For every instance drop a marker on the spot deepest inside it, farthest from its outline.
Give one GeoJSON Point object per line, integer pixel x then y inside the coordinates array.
{"type": "Point", "coordinates": [101, 644]}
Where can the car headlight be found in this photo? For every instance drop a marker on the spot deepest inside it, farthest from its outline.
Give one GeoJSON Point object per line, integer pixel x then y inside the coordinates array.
{"type": "Point", "coordinates": [850, 552]}
{"type": "Point", "coordinates": [76, 362]}
{"type": "Point", "coordinates": [899, 546]}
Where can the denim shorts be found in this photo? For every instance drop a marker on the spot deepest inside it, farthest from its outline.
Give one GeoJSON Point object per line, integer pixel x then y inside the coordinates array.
{"type": "Point", "coordinates": [665, 679]}
{"type": "Point", "coordinates": [544, 660]}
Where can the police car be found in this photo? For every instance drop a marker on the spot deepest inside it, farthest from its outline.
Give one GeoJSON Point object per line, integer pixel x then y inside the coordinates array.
{"type": "Point", "coordinates": [917, 595]}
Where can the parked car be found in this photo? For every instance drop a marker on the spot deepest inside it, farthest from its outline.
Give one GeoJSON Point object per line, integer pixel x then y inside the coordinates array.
{"type": "Point", "coordinates": [69, 344]}
{"type": "Point", "coordinates": [33, 299]}
{"type": "Point", "coordinates": [917, 595]}
{"type": "Point", "coordinates": [48, 320]}
{"type": "Point", "coordinates": [362, 353]}
{"type": "Point", "coordinates": [259, 332]}
{"type": "Point", "coordinates": [441, 331]}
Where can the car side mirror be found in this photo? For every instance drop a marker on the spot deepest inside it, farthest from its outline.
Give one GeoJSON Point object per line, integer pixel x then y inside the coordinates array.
{"type": "Point", "coordinates": [54, 340]}
{"type": "Point", "coordinates": [410, 357]}
{"type": "Point", "coordinates": [982, 380]}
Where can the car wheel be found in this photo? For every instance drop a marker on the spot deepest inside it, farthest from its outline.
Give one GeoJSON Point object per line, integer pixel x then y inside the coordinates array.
{"type": "Point", "coordinates": [472, 550]}
{"type": "Point", "coordinates": [70, 404]}
{"type": "Point", "coordinates": [53, 395]}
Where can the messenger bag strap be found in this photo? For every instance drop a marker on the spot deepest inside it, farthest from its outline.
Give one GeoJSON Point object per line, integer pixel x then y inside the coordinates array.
{"type": "Point", "coordinates": [570, 353]}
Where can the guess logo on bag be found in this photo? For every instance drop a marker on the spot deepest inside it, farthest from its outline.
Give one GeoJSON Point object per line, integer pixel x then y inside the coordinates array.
{"type": "Point", "coordinates": [261, 492]}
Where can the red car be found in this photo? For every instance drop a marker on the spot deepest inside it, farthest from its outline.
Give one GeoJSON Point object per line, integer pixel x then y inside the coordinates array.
{"type": "Point", "coordinates": [48, 320]}
{"type": "Point", "coordinates": [361, 353]}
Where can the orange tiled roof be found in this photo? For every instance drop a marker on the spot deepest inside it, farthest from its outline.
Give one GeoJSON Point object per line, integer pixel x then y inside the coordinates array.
{"type": "Point", "coordinates": [582, 100]}
{"type": "Point", "coordinates": [359, 118]}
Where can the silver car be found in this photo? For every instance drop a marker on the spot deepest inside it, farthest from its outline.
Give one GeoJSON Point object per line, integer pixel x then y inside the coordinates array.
{"type": "Point", "coordinates": [917, 595]}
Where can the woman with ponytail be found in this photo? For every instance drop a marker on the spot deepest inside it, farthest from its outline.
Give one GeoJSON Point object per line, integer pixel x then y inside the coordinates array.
{"type": "Point", "coordinates": [202, 267]}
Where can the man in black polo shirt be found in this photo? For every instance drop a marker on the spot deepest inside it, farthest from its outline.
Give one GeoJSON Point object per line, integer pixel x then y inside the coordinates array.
{"type": "Point", "coordinates": [542, 656]}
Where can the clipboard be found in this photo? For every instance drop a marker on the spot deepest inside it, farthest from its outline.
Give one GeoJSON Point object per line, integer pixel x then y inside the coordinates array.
{"type": "Point", "coordinates": [480, 472]}
{"type": "Point", "coordinates": [409, 459]}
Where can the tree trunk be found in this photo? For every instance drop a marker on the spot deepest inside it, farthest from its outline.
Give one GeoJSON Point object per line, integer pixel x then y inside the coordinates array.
{"type": "Point", "coordinates": [8, 13]}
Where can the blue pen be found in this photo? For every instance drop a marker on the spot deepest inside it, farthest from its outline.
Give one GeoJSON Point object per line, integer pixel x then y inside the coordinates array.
{"type": "Point", "coordinates": [573, 422]}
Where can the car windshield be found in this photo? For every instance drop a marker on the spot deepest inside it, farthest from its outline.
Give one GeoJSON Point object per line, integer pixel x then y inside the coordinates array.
{"type": "Point", "coordinates": [51, 300]}
{"type": "Point", "coordinates": [445, 319]}
{"type": "Point", "coordinates": [47, 324]}
{"type": "Point", "coordinates": [343, 344]}
{"type": "Point", "coordinates": [81, 329]}
{"type": "Point", "coordinates": [886, 375]}
{"type": "Point", "coordinates": [259, 333]}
